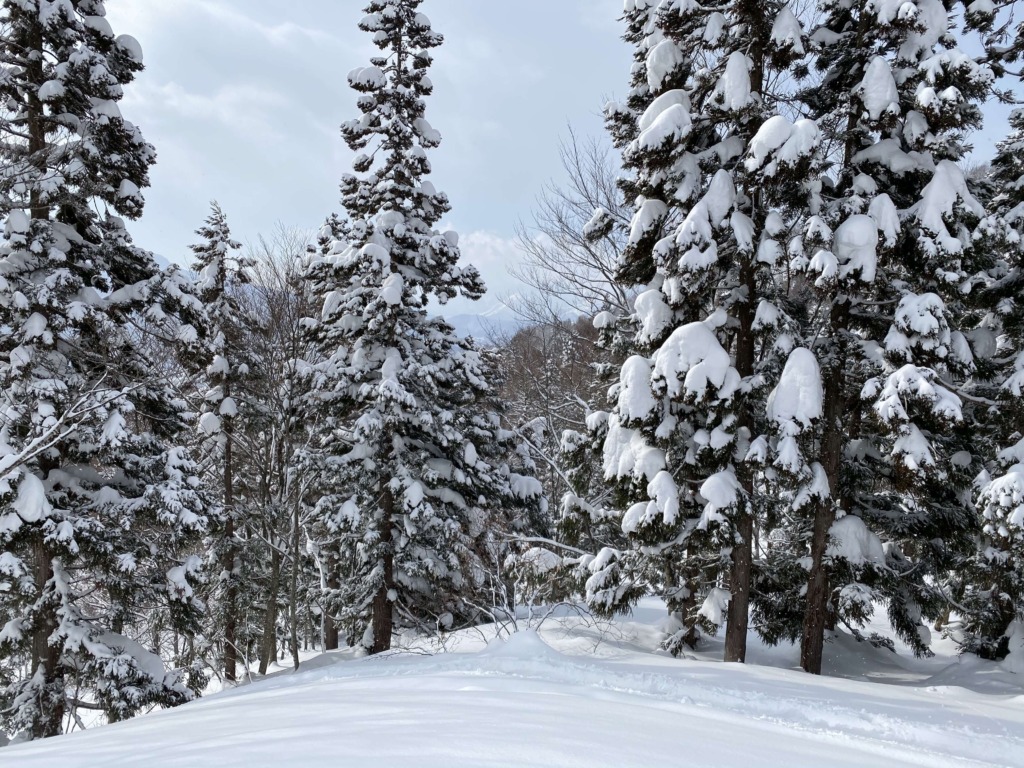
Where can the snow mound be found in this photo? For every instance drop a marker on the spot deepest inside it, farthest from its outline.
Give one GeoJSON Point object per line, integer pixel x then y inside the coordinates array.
{"type": "Point", "coordinates": [574, 692]}
{"type": "Point", "coordinates": [525, 645]}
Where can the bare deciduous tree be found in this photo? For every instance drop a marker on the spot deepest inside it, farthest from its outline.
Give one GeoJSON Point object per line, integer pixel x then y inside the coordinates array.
{"type": "Point", "coordinates": [566, 272]}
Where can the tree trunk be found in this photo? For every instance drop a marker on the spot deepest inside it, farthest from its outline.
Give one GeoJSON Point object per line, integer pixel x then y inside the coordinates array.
{"type": "Point", "coordinates": [230, 608]}
{"type": "Point", "coordinates": [812, 643]}
{"type": "Point", "coordinates": [331, 635]}
{"type": "Point", "coordinates": [293, 592]}
{"type": "Point", "coordinates": [229, 563]}
{"type": "Point", "coordinates": [382, 610]}
{"type": "Point", "coordinates": [46, 656]}
{"type": "Point", "coordinates": [739, 586]}
{"type": "Point", "coordinates": [816, 616]}
{"type": "Point", "coordinates": [738, 615]}
{"type": "Point", "coordinates": [268, 647]}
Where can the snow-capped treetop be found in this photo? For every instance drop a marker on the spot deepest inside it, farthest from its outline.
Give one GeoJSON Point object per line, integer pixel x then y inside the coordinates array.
{"type": "Point", "coordinates": [102, 154]}
{"type": "Point", "coordinates": [218, 258]}
{"type": "Point", "coordinates": [392, 205]}
{"type": "Point", "coordinates": [222, 267]}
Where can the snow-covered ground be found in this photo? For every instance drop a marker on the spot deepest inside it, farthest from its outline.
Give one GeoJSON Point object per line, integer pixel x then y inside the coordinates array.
{"type": "Point", "coordinates": [575, 692]}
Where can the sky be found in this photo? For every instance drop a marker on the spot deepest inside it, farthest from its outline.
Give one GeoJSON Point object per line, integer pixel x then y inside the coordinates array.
{"type": "Point", "coordinates": [243, 100]}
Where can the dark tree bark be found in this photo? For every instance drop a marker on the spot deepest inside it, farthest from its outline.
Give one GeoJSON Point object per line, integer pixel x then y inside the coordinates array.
{"type": "Point", "coordinates": [293, 592]}
{"type": "Point", "coordinates": [739, 584]}
{"type": "Point", "coordinates": [382, 610]}
{"type": "Point", "coordinates": [332, 637]}
{"type": "Point", "coordinates": [738, 615]}
{"type": "Point", "coordinates": [268, 648]}
{"type": "Point", "coordinates": [45, 655]}
{"type": "Point", "coordinates": [816, 617]}
{"type": "Point", "coordinates": [229, 562]}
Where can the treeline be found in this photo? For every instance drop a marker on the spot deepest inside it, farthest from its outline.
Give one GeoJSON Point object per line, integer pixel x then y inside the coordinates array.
{"type": "Point", "coordinates": [789, 394]}
{"type": "Point", "coordinates": [270, 450]}
{"type": "Point", "coordinates": [813, 396]}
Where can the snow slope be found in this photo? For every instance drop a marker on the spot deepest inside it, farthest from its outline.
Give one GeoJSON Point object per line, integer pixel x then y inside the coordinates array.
{"type": "Point", "coordinates": [576, 693]}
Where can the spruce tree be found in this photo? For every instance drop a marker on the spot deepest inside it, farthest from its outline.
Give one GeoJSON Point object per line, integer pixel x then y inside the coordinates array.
{"type": "Point", "coordinates": [620, 576]}
{"type": "Point", "coordinates": [706, 223]}
{"type": "Point", "coordinates": [990, 592]}
{"type": "Point", "coordinates": [882, 486]}
{"type": "Point", "coordinates": [97, 501]}
{"type": "Point", "coordinates": [420, 474]}
{"type": "Point", "coordinates": [222, 271]}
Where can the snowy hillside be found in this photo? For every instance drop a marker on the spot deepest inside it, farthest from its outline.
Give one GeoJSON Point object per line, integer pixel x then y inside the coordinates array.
{"type": "Point", "coordinates": [579, 693]}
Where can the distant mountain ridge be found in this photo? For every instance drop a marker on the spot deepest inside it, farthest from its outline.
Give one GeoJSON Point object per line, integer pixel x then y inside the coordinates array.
{"type": "Point", "coordinates": [491, 325]}
{"type": "Point", "coordinates": [496, 322]}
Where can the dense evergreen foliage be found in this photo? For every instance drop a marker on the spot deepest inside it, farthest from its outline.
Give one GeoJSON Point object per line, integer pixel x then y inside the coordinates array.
{"type": "Point", "coordinates": [101, 503]}
{"type": "Point", "coordinates": [421, 489]}
{"type": "Point", "coordinates": [790, 396]}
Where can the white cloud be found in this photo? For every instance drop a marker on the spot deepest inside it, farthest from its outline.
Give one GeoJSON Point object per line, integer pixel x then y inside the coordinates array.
{"type": "Point", "coordinates": [489, 250]}
{"type": "Point", "coordinates": [249, 111]}
{"type": "Point", "coordinates": [150, 16]}
{"type": "Point", "coordinates": [243, 99]}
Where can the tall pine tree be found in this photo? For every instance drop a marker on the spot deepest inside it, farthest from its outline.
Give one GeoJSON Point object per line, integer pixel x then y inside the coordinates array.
{"type": "Point", "coordinates": [990, 592]}
{"type": "Point", "coordinates": [419, 462]}
{"type": "Point", "coordinates": [684, 452]}
{"type": "Point", "coordinates": [882, 486]}
{"type": "Point", "coordinates": [222, 267]}
{"type": "Point", "coordinates": [97, 501]}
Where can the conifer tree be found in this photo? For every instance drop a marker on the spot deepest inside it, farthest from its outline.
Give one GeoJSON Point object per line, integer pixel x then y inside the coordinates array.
{"type": "Point", "coordinates": [97, 501]}
{"type": "Point", "coordinates": [990, 593]}
{"type": "Point", "coordinates": [222, 269]}
{"type": "Point", "coordinates": [886, 254]}
{"type": "Point", "coordinates": [419, 463]}
{"type": "Point", "coordinates": [621, 576]}
{"type": "Point", "coordinates": [705, 222]}
{"type": "Point", "coordinates": [333, 554]}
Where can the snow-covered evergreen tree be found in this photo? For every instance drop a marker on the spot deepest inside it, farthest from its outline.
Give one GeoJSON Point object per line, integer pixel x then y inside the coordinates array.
{"type": "Point", "coordinates": [222, 267]}
{"type": "Point", "coordinates": [589, 516]}
{"type": "Point", "coordinates": [419, 464]}
{"type": "Point", "coordinates": [881, 487]}
{"type": "Point", "coordinates": [97, 501]}
{"type": "Point", "coordinates": [990, 593]}
{"type": "Point", "coordinates": [681, 440]}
